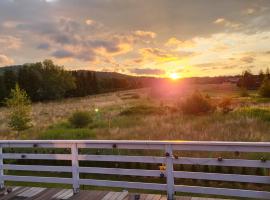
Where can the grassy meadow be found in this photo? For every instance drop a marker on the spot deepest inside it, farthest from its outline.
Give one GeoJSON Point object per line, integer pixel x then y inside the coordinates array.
{"type": "Point", "coordinates": [148, 114]}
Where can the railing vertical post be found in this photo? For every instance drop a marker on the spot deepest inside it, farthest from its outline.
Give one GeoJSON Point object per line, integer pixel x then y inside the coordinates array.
{"type": "Point", "coordinates": [169, 172]}
{"type": "Point", "coordinates": [75, 168]}
{"type": "Point", "coordinates": [2, 185]}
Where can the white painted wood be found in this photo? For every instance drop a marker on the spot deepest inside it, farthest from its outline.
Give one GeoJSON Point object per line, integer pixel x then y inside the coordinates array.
{"type": "Point", "coordinates": [169, 172]}
{"type": "Point", "coordinates": [36, 179]}
{"type": "Point", "coordinates": [123, 184]}
{"type": "Point", "coordinates": [38, 168]}
{"type": "Point", "coordinates": [222, 177]}
{"type": "Point", "coordinates": [120, 171]}
{"type": "Point", "coordinates": [117, 158]}
{"type": "Point", "coordinates": [169, 146]}
{"type": "Point", "coordinates": [224, 162]}
{"type": "Point", "coordinates": [75, 168]}
{"type": "Point", "coordinates": [223, 191]}
{"type": "Point", "coordinates": [2, 185]}
{"type": "Point", "coordinates": [177, 145]}
{"type": "Point", "coordinates": [18, 156]}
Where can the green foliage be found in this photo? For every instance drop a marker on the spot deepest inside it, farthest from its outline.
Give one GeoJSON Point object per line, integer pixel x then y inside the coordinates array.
{"type": "Point", "coordinates": [45, 81]}
{"type": "Point", "coordinates": [196, 104]}
{"type": "Point", "coordinates": [253, 112]}
{"type": "Point", "coordinates": [3, 91]}
{"type": "Point", "coordinates": [142, 110]}
{"type": "Point", "coordinates": [247, 80]}
{"type": "Point", "coordinates": [20, 109]}
{"type": "Point", "coordinates": [244, 92]}
{"type": "Point", "coordinates": [225, 105]}
{"type": "Point", "coordinates": [80, 119]}
{"type": "Point", "coordinates": [264, 90]}
{"type": "Point", "coordinates": [59, 133]}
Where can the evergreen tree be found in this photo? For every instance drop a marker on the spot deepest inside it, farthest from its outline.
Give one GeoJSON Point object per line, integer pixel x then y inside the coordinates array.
{"type": "Point", "coordinates": [3, 92]}
{"type": "Point", "coordinates": [20, 109]}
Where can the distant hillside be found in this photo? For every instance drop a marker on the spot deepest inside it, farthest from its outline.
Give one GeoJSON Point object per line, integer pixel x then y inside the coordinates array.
{"type": "Point", "coordinates": [105, 75]}
{"type": "Point", "coordinates": [100, 75]}
{"type": "Point", "coordinates": [110, 75]}
{"type": "Point", "coordinates": [13, 68]}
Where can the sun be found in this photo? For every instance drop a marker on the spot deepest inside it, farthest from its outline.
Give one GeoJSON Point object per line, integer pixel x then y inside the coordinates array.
{"type": "Point", "coordinates": [174, 76]}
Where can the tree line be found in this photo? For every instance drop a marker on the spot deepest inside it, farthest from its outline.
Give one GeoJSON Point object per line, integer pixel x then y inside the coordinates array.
{"type": "Point", "coordinates": [45, 80]}
{"type": "Point", "coordinates": [259, 82]}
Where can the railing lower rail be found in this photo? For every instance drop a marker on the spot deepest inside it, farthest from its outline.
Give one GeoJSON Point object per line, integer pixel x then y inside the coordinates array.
{"type": "Point", "coordinates": [12, 151]}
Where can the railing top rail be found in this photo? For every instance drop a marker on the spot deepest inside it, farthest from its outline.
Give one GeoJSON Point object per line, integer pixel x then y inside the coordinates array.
{"type": "Point", "coordinates": [140, 142]}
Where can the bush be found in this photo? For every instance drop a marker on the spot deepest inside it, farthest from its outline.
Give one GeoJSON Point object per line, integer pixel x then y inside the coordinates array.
{"type": "Point", "coordinates": [244, 92]}
{"type": "Point", "coordinates": [225, 105]}
{"type": "Point", "coordinates": [264, 90]}
{"type": "Point", "coordinates": [67, 134]}
{"type": "Point", "coordinates": [253, 112]}
{"type": "Point", "coordinates": [142, 110]}
{"type": "Point", "coordinates": [80, 119]}
{"type": "Point", "coordinates": [20, 109]}
{"type": "Point", "coordinates": [196, 104]}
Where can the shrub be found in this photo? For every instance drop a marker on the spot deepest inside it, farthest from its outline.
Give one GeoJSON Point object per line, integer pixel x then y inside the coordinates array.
{"type": "Point", "coordinates": [264, 90]}
{"type": "Point", "coordinates": [244, 92]}
{"type": "Point", "coordinates": [225, 105]}
{"type": "Point", "coordinates": [80, 119]}
{"type": "Point", "coordinates": [196, 104]}
{"type": "Point", "coordinates": [142, 110]}
{"type": "Point", "coordinates": [20, 109]}
{"type": "Point", "coordinates": [67, 134]}
{"type": "Point", "coordinates": [253, 112]}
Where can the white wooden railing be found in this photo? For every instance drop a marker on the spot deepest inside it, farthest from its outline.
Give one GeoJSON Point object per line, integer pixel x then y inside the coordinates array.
{"type": "Point", "coordinates": [11, 150]}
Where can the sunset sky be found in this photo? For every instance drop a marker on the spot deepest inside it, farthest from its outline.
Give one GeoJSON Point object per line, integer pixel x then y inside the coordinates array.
{"type": "Point", "coordinates": [139, 37]}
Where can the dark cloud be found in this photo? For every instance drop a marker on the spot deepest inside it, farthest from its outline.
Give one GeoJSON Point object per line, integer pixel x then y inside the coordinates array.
{"type": "Point", "coordinates": [248, 59]}
{"type": "Point", "coordinates": [43, 46]}
{"type": "Point", "coordinates": [62, 54]}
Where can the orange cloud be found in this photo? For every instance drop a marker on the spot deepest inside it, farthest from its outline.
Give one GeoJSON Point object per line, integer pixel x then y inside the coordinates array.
{"type": "Point", "coordinates": [145, 34]}
{"type": "Point", "coordinates": [4, 60]}
{"type": "Point", "coordinates": [179, 43]}
{"type": "Point", "coordinates": [227, 23]}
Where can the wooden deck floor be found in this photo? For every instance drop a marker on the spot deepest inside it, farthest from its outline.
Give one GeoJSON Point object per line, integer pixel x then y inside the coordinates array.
{"type": "Point", "coordinates": [38, 193]}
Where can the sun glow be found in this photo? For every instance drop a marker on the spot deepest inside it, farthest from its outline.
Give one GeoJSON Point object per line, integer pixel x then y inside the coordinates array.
{"type": "Point", "coordinates": [174, 76]}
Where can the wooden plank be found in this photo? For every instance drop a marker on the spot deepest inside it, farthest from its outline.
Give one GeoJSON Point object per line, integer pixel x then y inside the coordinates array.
{"type": "Point", "coordinates": [108, 196]}
{"type": "Point", "coordinates": [120, 171]}
{"type": "Point", "coordinates": [222, 177]}
{"type": "Point", "coordinates": [75, 169]}
{"type": "Point", "coordinates": [177, 145]}
{"type": "Point", "coordinates": [223, 191]}
{"type": "Point", "coordinates": [22, 156]}
{"type": "Point", "coordinates": [224, 162]}
{"type": "Point", "coordinates": [123, 195]}
{"type": "Point", "coordinates": [117, 158]}
{"type": "Point", "coordinates": [169, 172]}
{"type": "Point", "coordinates": [47, 194]}
{"type": "Point", "coordinates": [149, 197]}
{"type": "Point", "coordinates": [31, 192]}
{"type": "Point", "coordinates": [13, 194]}
{"type": "Point", "coordinates": [156, 197]}
{"type": "Point", "coordinates": [123, 184]}
{"type": "Point", "coordinates": [44, 168]}
{"type": "Point", "coordinates": [38, 179]}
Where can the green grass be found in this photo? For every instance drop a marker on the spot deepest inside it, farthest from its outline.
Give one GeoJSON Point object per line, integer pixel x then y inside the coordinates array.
{"type": "Point", "coordinates": [67, 134]}
{"type": "Point", "coordinates": [142, 110]}
{"type": "Point", "coordinates": [253, 112]}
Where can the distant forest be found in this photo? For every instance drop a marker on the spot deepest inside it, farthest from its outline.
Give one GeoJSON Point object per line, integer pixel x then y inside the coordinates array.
{"type": "Point", "coordinates": [44, 81]}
